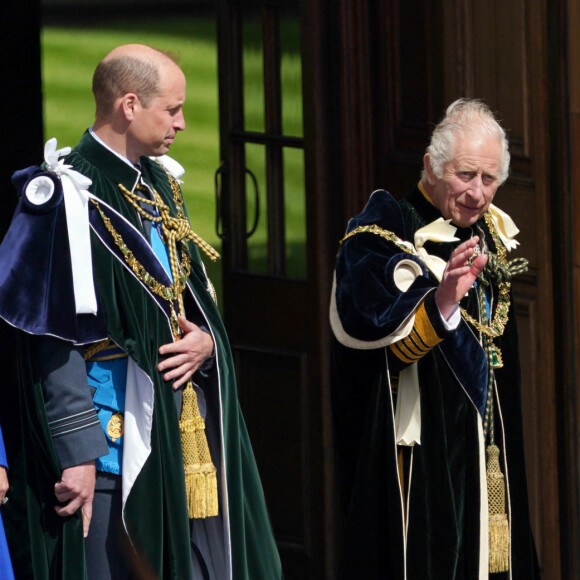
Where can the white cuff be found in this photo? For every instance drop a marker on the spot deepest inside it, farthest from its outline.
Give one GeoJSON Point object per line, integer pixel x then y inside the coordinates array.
{"type": "Point", "coordinates": [453, 321]}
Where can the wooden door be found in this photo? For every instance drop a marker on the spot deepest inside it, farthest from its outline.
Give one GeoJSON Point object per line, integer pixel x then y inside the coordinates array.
{"type": "Point", "coordinates": [376, 77]}
{"type": "Point", "coordinates": [274, 289]}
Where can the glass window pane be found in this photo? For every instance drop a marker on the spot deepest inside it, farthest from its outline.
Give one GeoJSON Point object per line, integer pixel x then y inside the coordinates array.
{"type": "Point", "coordinates": [295, 212]}
{"type": "Point", "coordinates": [253, 67]}
{"type": "Point", "coordinates": [291, 74]}
{"type": "Point", "coordinates": [258, 242]}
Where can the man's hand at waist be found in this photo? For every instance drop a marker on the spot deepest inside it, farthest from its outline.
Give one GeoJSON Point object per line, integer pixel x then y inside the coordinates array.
{"type": "Point", "coordinates": [187, 354]}
{"type": "Point", "coordinates": [76, 488]}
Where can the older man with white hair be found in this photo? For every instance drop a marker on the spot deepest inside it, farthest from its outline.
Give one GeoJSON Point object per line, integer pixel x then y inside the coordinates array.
{"type": "Point", "coordinates": [426, 386]}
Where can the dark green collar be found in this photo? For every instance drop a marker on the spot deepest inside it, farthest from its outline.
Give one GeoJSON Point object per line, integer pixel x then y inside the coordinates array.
{"type": "Point", "coordinates": [428, 212]}
{"type": "Point", "coordinates": [107, 162]}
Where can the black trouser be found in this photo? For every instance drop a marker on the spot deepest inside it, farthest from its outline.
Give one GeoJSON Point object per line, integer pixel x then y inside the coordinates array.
{"type": "Point", "coordinates": [108, 552]}
{"type": "Point", "coordinates": [107, 544]}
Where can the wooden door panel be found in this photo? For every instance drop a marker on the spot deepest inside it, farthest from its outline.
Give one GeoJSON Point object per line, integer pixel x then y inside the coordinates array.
{"type": "Point", "coordinates": [273, 400]}
{"type": "Point", "coordinates": [496, 41]}
{"type": "Point", "coordinates": [269, 310]}
{"type": "Point", "coordinates": [271, 291]}
{"type": "Point", "coordinates": [527, 324]}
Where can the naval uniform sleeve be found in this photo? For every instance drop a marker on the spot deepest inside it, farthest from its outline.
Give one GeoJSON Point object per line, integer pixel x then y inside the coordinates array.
{"type": "Point", "coordinates": [429, 329]}
{"type": "Point", "coordinates": [74, 426]}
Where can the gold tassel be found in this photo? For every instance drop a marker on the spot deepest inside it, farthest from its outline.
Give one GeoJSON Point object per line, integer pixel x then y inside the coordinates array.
{"type": "Point", "coordinates": [200, 473]}
{"type": "Point", "coordinates": [499, 532]}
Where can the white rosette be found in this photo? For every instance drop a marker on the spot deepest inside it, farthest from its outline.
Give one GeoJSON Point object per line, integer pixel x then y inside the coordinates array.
{"type": "Point", "coordinates": [39, 190]}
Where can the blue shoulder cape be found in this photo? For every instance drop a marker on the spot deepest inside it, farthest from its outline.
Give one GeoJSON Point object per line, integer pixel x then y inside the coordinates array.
{"type": "Point", "coordinates": [35, 269]}
{"type": "Point", "coordinates": [371, 307]}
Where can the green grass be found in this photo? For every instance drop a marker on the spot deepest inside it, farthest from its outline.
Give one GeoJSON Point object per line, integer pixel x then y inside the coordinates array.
{"type": "Point", "coordinates": [254, 119]}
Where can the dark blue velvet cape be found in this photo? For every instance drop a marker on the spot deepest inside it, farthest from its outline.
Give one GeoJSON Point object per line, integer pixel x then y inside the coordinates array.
{"type": "Point", "coordinates": [372, 307]}
{"type": "Point", "coordinates": [35, 278]}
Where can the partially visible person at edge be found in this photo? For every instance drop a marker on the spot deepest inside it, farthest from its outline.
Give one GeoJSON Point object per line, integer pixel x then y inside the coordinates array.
{"type": "Point", "coordinates": [426, 384]}
{"type": "Point", "coordinates": [6, 572]}
{"type": "Point", "coordinates": [124, 359]}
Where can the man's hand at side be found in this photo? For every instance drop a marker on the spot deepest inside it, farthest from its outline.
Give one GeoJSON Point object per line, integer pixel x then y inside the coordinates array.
{"type": "Point", "coordinates": [77, 488]}
{"type": "Point", "coordinates": [3, 482]}
{"type": "Point", "coordinates": [188, 353]}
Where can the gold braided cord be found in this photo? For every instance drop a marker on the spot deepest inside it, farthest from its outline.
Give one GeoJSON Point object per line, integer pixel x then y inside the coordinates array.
{"type": "Point", "coordinates": [93, 349]}
{"type": "Point", "coordinates": [200, 472]}
{"type": "Point", "coordinates": [374, 229]}
{"type": "Point", "coordinates": [180, 224]}
{"type": "Point", "coordinates": [498, 530]}
{"type": "Point", "coordinates": [179, 204]}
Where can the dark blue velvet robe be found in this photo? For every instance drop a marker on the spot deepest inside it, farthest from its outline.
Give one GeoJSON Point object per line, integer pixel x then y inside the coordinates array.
{"type": "Point", "coordinates": [441, 503]}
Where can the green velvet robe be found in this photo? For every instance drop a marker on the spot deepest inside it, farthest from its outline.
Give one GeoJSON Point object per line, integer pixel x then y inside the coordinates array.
{"type": "Point", "coordinates": [47, 546]}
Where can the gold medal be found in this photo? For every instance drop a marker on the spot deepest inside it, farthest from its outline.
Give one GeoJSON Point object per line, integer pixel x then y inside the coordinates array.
{"type": "Point", "coordinates": [116, 426]}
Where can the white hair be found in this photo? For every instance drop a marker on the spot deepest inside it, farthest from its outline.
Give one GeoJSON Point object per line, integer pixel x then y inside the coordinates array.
{"type": "Point", "coordinates": [463, 118]}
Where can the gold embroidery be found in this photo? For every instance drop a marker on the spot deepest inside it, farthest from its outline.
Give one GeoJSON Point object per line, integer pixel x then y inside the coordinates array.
{"type": "Point", "coordinates": [420, 340]}
{"type": "Point", "coordinates": [374, 229]}
{"type": "Point", "coordinates": [424, 327]}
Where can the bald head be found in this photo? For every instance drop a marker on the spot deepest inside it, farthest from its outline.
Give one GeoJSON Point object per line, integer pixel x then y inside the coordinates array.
{"type": "Point", "coordinates": [130, 68]}
{"type": "Point", "coordinates": [139, 92]}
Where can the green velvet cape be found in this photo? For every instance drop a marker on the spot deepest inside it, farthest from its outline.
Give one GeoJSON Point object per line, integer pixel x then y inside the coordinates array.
{"type": "Point", "coordinates": [46, 546]}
